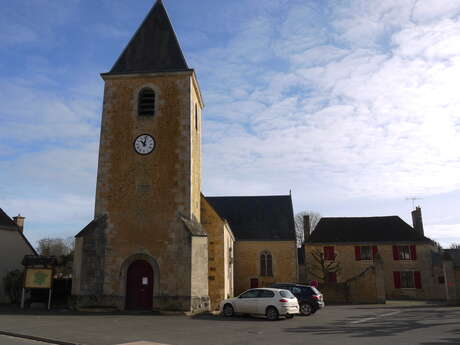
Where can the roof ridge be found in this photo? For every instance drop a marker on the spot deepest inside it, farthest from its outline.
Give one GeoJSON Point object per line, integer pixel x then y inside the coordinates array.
{"type": "Point", "coordinates": [248, 196]}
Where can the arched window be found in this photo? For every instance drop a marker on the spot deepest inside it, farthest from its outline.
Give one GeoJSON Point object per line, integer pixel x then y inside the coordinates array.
{"type": "Point", "coordinates": [146, 102]}
{"type": "Point", "coordinates": [266, 264]}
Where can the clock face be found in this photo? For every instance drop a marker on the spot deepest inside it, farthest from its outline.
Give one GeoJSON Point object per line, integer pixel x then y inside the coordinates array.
{"type": "Point", "coordinates": [144, 144]}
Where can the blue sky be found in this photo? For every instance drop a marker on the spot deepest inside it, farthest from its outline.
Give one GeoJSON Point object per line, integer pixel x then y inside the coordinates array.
{"type": "Point", "coordinates": [353, 105]}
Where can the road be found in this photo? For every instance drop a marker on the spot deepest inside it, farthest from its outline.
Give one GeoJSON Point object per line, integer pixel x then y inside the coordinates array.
{"type": "Point", "coordinates": [5, 340]}
{"type": "Point", "coordinates": [394, 323]}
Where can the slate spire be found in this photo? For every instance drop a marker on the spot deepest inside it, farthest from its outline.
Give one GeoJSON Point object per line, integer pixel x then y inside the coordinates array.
{"type": "Point", "coordinates": [153, 48]}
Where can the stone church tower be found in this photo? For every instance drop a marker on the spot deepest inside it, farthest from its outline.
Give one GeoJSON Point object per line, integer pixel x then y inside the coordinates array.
{"type": "Point", "coordinates": [146, 248]}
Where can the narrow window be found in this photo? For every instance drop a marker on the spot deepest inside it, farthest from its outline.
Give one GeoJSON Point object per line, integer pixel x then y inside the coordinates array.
{"type": "Point", "coordinates": [146, 102]}
{"type": "Point", "coordinates": [403, 253]}
{"type": "Point", "coordinates": [266, 264]}
{"type": "Point", "coordinates": [196, 117]}
{"type": "Point", "coordinates": [407, 280]}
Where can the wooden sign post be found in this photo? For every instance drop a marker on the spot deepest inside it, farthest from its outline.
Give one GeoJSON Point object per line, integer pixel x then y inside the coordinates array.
{"type": "Point", "coordinates": [39, 275]}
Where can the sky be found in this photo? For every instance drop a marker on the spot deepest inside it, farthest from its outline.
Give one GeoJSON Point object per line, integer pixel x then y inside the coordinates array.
{"type": "Point", "coordinates": [352, 105]}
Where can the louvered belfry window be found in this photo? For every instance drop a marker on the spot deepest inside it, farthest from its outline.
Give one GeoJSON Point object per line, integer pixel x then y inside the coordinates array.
{"type": "Point", "coordinates": [146, 104]}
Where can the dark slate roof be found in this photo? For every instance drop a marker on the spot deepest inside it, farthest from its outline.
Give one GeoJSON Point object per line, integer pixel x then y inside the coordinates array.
{"type": "Point", "coordinates": [365, 229]}
{"type": "Point", "coordinates": [454, 254]}
{"type": "Point", "coordinates": [261, 218]}
{"type": "Point", "coordinates": [6, 222]}
{"type": "Point", "coordinates": [153, 48]}
{"type": "Point", "coordinates": [95, 223]}
{"type": "Point", "coordinates": [39, 260]}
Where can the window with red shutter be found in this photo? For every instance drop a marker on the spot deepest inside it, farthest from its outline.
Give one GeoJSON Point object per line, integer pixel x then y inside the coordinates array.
{"type": "Point", "coordinates": [329, 253]}
{"type": "Point", "coordinates": [418, 280]}
{"type": "Point", "coordinates": [332, 277]}
{"type": "Point", "coordinates": [413, 252]}
{"type": "Point", "coordinates": [358, 253]}
{"type": "Point", "coordinates": [397, 279]}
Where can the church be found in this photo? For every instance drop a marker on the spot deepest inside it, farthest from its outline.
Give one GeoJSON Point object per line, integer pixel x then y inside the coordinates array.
{"type": "Point", "coordinates": [156, 242]}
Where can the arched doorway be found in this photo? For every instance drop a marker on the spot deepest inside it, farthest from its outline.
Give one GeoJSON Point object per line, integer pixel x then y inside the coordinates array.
{"type": "Point", "coordinates": [139, 286]}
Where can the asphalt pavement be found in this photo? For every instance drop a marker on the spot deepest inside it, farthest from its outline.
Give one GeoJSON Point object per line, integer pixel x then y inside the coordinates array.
{"type": "Point", "coordinates": [402, 323]}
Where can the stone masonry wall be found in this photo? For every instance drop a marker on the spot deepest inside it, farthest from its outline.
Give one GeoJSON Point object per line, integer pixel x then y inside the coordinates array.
{"type": "Point", "coordinates": [247, 263]}
{"type": "Point", "coordinates": [144, 196]}
{"type": "Point", "coordinates": [351, 267]}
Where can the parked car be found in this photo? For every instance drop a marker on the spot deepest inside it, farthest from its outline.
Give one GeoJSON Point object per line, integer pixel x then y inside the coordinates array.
{"type": "Point", "coordinates": [272, 303]}
{"type": "Point", "coordinates": [310, 298]}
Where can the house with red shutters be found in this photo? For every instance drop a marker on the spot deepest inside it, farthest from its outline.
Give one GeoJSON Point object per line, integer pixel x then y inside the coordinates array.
{"type": "Point", "coordinates": [411, 262]}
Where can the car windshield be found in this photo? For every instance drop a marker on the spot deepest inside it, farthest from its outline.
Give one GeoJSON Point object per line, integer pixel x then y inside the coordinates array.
{"type": "Point", "coordinates": [315, 290]}
{"type": "Point", "coordinates": [286, 294]}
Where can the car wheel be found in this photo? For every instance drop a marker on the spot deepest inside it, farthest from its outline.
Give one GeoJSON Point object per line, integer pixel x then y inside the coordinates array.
{"type": "Point", "coordinates": [228, 310]}
{"type": "Point", "coordinates": [306, 309]}
{"type": "Point", "coordinates": [272, 314]}
{"type": "Point", "coordinates": [289, 316]}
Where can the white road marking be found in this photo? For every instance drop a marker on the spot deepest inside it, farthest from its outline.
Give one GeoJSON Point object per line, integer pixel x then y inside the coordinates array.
{"type": "Point", "coordinates": [374, 318]}
{"type": "Point", "coordinates": [364, 320]}
{"type": "Point", "coordinates": [392, 313]}
{"type": "Point", "coordinates": [142, 343]}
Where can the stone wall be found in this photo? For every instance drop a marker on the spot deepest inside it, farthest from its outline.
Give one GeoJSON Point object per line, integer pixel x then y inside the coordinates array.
{"type": "Point", "coordinates": [247, 263]}
{"type": "Point", "coordinates": [145, 197]}
{"type": "Point", "coordinates": [431, 288]}
{"type": "Point", "coordinates": [221, 244]}
{"type": "Point", "coordinates": [366, 287]}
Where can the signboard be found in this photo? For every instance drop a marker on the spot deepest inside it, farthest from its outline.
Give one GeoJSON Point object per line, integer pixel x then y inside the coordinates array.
{"type": "Point", "coordinates": [38, 278]}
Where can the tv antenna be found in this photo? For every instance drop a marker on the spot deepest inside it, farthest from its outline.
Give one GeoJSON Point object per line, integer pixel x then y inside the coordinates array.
{"type": "Point", "coordinates": [413, 199]}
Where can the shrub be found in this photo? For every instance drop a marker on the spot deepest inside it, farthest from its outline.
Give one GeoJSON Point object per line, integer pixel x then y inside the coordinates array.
{"type": "Point", "coordinates": [13, 282]}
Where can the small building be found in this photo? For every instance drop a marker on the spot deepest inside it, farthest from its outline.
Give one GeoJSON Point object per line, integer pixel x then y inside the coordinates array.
{"type": "Point", "coordinates": [265, 239]}
{"type": "Point", "coordinates": [221, 242]}
{"type": "Point", "coordinates": [13, 247]}
{"type": "Point", "coordinates": [411, 262]}
{"type": "Point", "coordinates": [451, 264]}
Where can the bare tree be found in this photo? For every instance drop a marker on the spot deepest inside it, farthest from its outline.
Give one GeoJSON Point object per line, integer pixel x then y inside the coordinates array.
{"type": "Point", "coordinates": [62, 249]}
{"type": "Point", "coordinates": [321, 268]}
{"type": "Point", "coordinates": [54, 247]}
{"type": "Point", "coordinates": [298, 221]}
{"type": "Point", "coordinates": [455, 246]}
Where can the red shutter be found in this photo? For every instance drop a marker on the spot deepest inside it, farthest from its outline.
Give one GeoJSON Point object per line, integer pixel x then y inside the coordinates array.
{"type": "Point", "coordinates": [332, 277]}
{"type": "Point", "coordinates": [329, 253]}
{"type": "Point", "coordinates": [397, 279]}
{"type": "Point", "coordinates": [418, 280]}
{"type": "Point", "coordinates": [395, 253]}
{"type": "Point", "coordinates": [374, 252]}
{"type": "Point", "coordinates": [357, 253]}
{"type": "Point", "coordinates": [413, 253]}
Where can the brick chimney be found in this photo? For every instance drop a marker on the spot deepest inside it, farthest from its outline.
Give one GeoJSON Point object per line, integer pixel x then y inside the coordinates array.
{"type": "Point", "coordinates": [306, 228]}
{"type": "Point", "coordinates": [417, 220]}
{"type": "Point", "coordinates": [19, 220]}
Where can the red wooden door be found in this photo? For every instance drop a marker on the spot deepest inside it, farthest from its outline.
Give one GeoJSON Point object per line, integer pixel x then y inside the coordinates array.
{"type": "Point", "coordinates": [139, 286]}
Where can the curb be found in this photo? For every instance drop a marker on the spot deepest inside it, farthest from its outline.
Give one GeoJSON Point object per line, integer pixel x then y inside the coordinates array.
{"type": "Point", "coordinates": [31, 337]}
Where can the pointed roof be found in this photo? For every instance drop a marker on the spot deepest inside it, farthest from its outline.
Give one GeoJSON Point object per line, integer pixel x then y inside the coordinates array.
{"type": "Point", "coordinates": [153, 48]}
{"type": "Point", "coordinates": [6, 222]}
